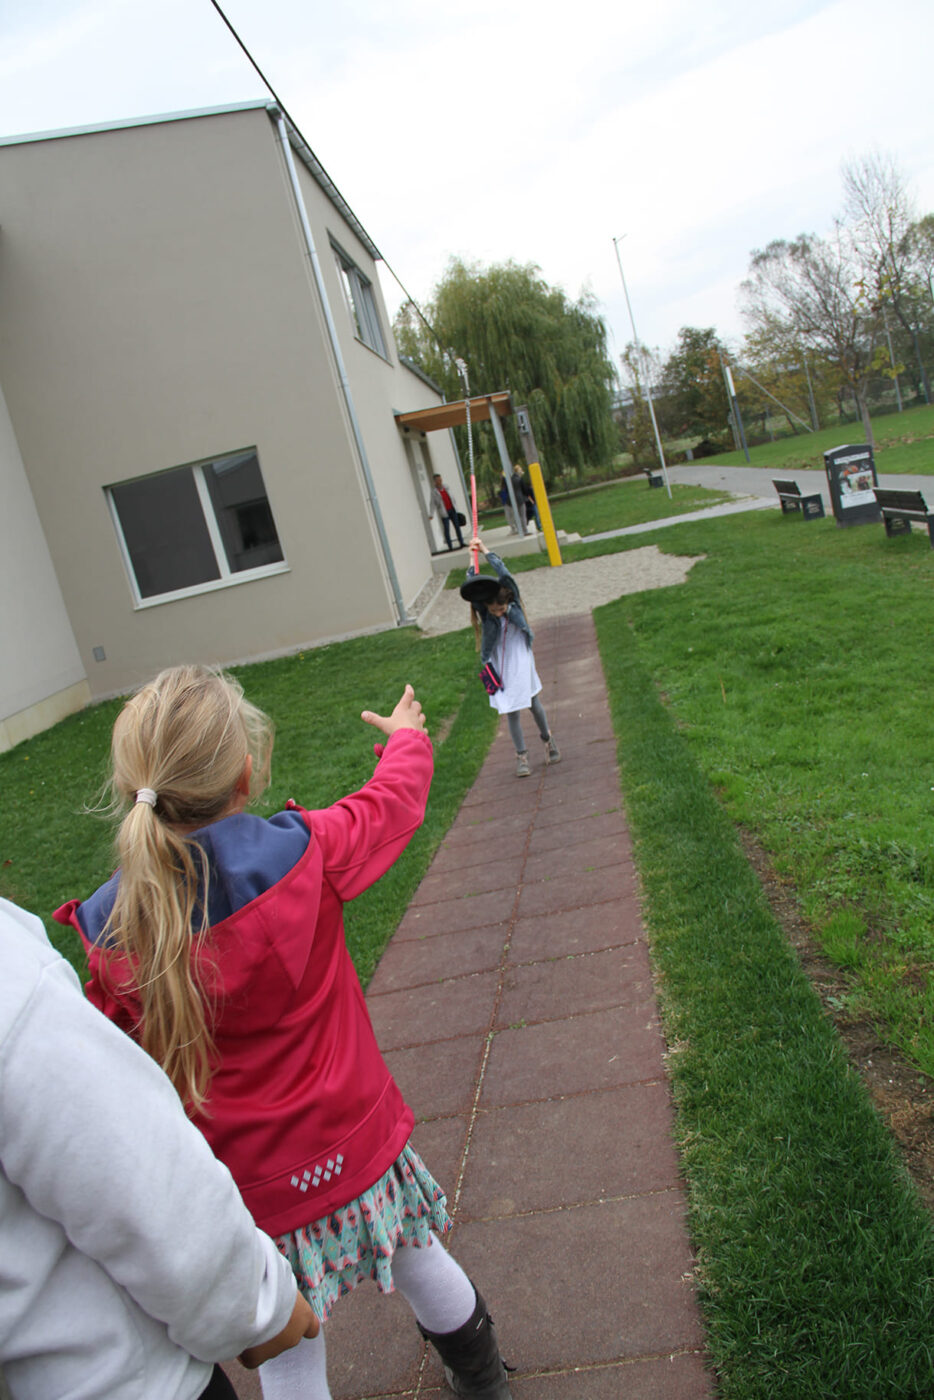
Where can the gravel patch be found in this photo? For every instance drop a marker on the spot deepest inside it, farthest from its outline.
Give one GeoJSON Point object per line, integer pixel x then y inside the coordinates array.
{"type": "Point", "coordinates": [572, 588]}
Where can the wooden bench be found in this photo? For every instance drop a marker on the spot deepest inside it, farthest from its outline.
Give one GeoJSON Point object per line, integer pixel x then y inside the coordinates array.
{"type": "Point", "coordinates": [810, 505]}
{"type": "Point", "coordinates": [900, 508]}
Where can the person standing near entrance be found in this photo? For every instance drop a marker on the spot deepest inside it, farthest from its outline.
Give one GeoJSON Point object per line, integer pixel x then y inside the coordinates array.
{"type": "Point", "coordinates": [442, 502]}
{"type": "Point", "coordinates": [525, 497]}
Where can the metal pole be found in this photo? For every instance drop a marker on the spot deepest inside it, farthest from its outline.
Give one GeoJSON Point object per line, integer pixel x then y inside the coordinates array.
{"type": "Point", "coordinates": [814, 418]}
{"type": "Point", "coordinates": [648, 391]}
{"type": "Point", "coordinates": [517, 510]}
{"type": "Point", "coordinates": [888, 337]}
{"type": "Point", "coordinates": [737, 417]}
{"type": "Point", "coordinates": [530, 451]}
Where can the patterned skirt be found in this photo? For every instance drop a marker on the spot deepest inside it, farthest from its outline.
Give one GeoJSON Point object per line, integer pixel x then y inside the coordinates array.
{"type": "Point", "coordinates": [332, 1255]}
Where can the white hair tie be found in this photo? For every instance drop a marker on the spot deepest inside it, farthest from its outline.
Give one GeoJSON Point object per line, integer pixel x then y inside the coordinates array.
{"type": "Point", "coordinates": [146, 795]}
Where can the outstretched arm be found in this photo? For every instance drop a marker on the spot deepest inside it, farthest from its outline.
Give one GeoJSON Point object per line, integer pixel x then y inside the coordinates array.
{"type": "Point", "coordinates": [494, 559]}
{"type": "Point", "coordinates": [364, 833]}
{"type": "Point", "coordinates": [406, 715]}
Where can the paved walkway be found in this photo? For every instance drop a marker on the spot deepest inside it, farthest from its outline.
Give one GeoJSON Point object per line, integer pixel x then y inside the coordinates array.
{"type": "Point", "coordinates": [516, 1008]}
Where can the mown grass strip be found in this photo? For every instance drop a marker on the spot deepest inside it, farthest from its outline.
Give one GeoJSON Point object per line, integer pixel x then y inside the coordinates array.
{"type": "Point", "coordinates": [816, 1258]}
{"type": "Point", "coordinates": [791, 658]}
{"type": "Point", "coordinates": [51, 850]}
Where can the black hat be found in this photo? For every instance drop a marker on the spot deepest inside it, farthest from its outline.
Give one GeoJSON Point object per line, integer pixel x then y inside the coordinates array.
{"type": "Point", "coordinates": [480, 588]}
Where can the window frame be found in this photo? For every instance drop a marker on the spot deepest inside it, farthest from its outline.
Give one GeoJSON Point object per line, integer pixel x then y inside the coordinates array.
{"type": "Point", "coordinates": [228, 577]}
{"type": "Point", "coordinates": [360, 300]}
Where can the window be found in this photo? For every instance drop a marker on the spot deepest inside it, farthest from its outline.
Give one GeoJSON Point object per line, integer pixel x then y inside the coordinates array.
{"type": "Point", "coordinates": [361, 303]}
{"type": "Point", "coordinates": [196, 527]}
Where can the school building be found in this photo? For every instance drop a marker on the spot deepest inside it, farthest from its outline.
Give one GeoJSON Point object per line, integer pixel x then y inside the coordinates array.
{"type": "Point", "coordinates": [200, 457]}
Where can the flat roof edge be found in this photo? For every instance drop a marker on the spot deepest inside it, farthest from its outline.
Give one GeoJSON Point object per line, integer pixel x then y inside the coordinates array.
{"type": "Point", "coordinates": [321, 177]}
{"type": "Point", "coordinates": [304, 152]}
{"type": "Point", "coordinates": [153, 120]}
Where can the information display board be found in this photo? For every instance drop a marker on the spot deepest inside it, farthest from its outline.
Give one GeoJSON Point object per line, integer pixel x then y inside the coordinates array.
{"type": "Point", "coordinates": [851, 476]}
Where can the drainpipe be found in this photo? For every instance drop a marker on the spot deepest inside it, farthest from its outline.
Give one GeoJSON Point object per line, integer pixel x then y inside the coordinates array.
{"type": "Point", "coordinates": [403, 616]}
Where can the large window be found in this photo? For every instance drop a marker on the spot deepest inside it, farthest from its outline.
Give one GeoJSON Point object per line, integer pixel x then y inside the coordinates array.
{"type": "Point", "coordinates": [196, 527]}
{"type": "Point", "coordinates": [361, 303]}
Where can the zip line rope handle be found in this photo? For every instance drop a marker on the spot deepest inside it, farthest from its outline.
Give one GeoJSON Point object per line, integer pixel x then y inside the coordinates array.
{"type": "Point", "coordinates": [462, 371]}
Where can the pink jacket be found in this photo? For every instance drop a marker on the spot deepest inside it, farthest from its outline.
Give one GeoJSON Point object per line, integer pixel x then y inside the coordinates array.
{"type": "Point", "coordinates": [302, 1108]}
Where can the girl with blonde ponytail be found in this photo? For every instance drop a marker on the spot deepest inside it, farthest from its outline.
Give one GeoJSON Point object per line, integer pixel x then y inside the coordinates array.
{"type": "Point", "coordinates": [184, 752]}
{"type": "Point", "coordinates": [219, 945]}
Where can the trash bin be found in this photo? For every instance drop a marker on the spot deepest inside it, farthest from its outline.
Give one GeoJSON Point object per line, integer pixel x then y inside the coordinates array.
{"type": "Point", "coordinates": [851, 476]}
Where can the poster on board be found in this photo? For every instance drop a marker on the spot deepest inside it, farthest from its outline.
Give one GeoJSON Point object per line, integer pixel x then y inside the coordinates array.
{"type": "Point", "coordinates": [851, 476]}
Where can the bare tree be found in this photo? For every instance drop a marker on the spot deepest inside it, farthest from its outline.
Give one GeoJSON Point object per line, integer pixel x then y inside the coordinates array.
{"type": "Point", "coordinates": [812, 291]}
{"type": "Point", "coordinates": [882, 216]}
{"type": "Point", "coordinates": [921, 243]}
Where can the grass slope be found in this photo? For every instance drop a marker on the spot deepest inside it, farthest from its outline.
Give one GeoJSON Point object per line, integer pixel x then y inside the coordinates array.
{"type": "Point", "coordinates": [816, 1259]}
{"type": "Point", "coordinates": [793, 661]}
{"type": "Point", "coordinates": [904, 444]}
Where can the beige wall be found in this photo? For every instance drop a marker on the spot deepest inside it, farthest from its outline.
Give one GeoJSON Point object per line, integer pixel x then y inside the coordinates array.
{"type": "Point", "coordinates": [380, 388]}
{"type": "Point", "coordinates": [158, 309]}
{"type": "Point", "coordinates": [41, 676]}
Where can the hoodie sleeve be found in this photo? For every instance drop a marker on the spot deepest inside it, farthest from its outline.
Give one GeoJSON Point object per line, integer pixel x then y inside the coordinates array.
{"type": "Point", "coordinates": [95, 1136]}
{"type": "Point", "coordinates": [502, 571]}
{"type": "Point", "coordinates": [363, 834]}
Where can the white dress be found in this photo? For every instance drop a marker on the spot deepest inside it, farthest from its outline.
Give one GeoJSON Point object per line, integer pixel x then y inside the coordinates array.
{"type": "Point", "coordinates": [515, 662]}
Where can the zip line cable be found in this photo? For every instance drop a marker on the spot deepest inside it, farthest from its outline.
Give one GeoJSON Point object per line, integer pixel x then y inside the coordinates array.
{"type": "Point", "coordinates": [292, 122]}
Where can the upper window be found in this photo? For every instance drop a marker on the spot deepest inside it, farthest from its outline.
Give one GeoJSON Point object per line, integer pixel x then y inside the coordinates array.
{"type": "Point", "coordinates": [361, 303]}
{"type": "Point", "coordinates": [196, 527]}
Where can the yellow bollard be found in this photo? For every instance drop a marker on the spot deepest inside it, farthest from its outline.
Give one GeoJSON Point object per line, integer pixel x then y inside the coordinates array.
{"type": "Point", "coordinates": [544, 513]}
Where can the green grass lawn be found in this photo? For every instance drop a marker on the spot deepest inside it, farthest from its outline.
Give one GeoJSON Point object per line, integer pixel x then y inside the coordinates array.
{"type": "Point", "coordinates": [792, 660]}
{"type": "Point", "coordinates": [52, 850]}
{"type": "Point", "coordinates": [617, 505]}
{"type": "Point", "coordinates": [904, 444]}
{"type": "Point", "coordinates": [784, 687]}
{"type": "Point", "coordinates": [815, 1253]}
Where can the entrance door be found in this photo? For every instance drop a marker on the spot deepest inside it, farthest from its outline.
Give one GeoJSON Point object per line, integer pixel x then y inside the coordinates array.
{"type": "Point", "coordinates": [420, 465]}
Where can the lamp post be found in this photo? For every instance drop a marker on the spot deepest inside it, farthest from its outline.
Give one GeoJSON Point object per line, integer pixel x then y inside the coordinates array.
{"type": "Point", "coordinates": [639, 355]}
{"type": "Point", "coordinates": [734, 406]}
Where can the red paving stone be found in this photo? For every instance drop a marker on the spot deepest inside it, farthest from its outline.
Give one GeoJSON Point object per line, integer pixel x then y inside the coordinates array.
{"type": "Point", "coordinates": [593, 1051]}
{"type": "Point", "coordinates": [561, 987]}
{"type": "Point", "coordinates": [415, 961]}
{"type": "Point", "coordinates": [576, 931]}
{"type": "Point", "coordinates": [516, 1008]}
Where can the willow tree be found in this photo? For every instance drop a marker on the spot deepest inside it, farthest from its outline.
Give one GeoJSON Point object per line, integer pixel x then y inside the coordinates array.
{"type": "Point", "coordinates": [516, 332]}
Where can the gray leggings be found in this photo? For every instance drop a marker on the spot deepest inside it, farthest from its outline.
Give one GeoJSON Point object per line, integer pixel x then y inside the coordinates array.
{"type": "Point", "coordinates": [540, 718]}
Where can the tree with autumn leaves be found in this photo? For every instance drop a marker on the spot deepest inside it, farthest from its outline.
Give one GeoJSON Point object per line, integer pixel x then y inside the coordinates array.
{"type": "Point", "coordinates": [839, 298]}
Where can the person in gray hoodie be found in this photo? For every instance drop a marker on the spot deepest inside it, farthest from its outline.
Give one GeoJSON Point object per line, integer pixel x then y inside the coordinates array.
{"type": "Point", "coordinates": [129, 1265]}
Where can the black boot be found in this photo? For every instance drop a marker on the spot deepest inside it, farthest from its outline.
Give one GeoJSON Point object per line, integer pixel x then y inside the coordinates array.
{"type": "Point", "coordinates": [470, 1356]}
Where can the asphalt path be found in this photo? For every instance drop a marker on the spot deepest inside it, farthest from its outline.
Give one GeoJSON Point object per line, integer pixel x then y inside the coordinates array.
{"type": "Point", "coordinates": [757, 481]}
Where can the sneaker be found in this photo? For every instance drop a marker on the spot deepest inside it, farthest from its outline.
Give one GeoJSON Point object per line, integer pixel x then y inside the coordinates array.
{"type": "Point", "coordinates": [553, 752]}
{"type": "Point", "coordinates": [522, 765]}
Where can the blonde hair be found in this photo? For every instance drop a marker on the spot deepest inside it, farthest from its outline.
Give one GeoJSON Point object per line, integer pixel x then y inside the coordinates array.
{"type": "Point", "coordinates": [187, 736]}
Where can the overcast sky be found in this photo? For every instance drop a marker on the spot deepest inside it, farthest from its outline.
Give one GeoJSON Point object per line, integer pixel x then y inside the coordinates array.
{"type": "Point", "coordinates": [531, 131]}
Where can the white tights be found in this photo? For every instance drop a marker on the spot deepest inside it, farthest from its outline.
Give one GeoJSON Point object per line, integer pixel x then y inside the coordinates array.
{"type": "Point", "coordinates": [433, 1284]}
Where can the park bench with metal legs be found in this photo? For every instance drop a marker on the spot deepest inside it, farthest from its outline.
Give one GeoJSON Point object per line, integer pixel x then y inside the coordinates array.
{"type": "Point", "coordinates": [900, 508]}
{"type": "Point", "coordinates": [790, 495]}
